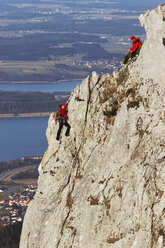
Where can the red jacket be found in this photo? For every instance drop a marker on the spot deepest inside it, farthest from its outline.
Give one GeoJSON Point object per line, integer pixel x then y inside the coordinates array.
{"type": "Point", "coordinates": [135, 46]}
{"type": "Point", "coordinates": [63, 111]}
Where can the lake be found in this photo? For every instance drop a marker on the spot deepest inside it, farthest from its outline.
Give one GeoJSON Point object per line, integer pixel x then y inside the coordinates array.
{"type": "Point", "coordinates": [22, 137]}
{"type": "Point", "coordinates": [47, 87]}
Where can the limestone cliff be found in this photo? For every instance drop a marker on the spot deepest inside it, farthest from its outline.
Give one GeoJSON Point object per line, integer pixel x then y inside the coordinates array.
{"type": "Point", "coordinates": [104, 185]}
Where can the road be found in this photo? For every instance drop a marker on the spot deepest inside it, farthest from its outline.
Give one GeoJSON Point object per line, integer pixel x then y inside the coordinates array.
{"type": "Point", "coordinates": [7, 174]}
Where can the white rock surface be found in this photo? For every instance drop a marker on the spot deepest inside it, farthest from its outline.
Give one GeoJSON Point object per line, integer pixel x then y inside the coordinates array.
{"type": "Point", "coordinates": [103, 187]}
{"type": "Point", "coordinates": [152, 62]}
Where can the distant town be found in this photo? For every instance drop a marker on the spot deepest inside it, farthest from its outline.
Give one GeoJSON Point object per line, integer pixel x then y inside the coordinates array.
{"type": "Point", "coordinates": [13, 209]}
{"type": "Point", "coordinates": [18, 184]}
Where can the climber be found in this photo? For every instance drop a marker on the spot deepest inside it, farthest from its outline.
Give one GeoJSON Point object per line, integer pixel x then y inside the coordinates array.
{"type": "Point", "coordinates": [134, 50]}
{"type": "Point", "coordinates": [139, 45]}
{"type": "Point", "coordinates": [61, 116]}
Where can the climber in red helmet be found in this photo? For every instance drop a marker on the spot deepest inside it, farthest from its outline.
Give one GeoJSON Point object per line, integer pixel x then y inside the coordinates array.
{"type": "Point", "coordinates": [134, 50]}
{"type": "Point", "coordinates": [61, 116]}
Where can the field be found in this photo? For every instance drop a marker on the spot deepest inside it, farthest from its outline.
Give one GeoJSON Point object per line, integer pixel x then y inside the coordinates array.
{"type": "Point", "coordinates": [25, 68]}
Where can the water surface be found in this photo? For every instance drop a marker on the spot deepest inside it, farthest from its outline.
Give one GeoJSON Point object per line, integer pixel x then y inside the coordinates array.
{"type": "Point", "coordinates": [47, 87]}
{"type": "Point", "coordinates": [22, 137]}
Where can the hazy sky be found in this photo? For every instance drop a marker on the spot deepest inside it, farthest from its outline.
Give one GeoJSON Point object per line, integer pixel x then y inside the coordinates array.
{"type": "Point", "coordinates": [142, 4]}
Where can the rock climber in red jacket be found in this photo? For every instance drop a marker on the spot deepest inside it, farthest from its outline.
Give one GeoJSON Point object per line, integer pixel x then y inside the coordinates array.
{"type": "Point", "coordinates": [134, 50]}
{"type": "Point", "coordinates": [61, 116]}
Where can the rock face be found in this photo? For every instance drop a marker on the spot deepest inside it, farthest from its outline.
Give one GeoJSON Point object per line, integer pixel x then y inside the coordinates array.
{"type": "Point", "coordinates": [104, 185]}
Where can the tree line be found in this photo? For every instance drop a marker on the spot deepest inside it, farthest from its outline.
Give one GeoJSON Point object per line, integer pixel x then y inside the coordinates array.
{"type": "Point", "coordinates": [30, 102]}
{"type": "Point", "coordinates": [17, 163]}
{"type": "Point", "coordinates": [10, 235]}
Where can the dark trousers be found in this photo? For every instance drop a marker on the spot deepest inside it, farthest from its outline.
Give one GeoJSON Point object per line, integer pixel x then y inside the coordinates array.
{"type": "Point", "coordinates": [61, 123]}
{"type": "Point", "coordinates": [129, 56]}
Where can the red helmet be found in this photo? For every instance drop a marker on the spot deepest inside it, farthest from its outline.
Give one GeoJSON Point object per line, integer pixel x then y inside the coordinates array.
{"type": "Point", "coordinates": [138, 38]}
{"type": "Point", "coordinates": [60, 105]}
{"type": "Point", "coordinates": [133, 37]}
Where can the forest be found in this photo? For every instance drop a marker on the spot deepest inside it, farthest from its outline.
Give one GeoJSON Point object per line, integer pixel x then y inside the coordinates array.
{"type": "Point", "coordinates": [10, 235]}
{"type": "Point", "coordinates": [31, 102]}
